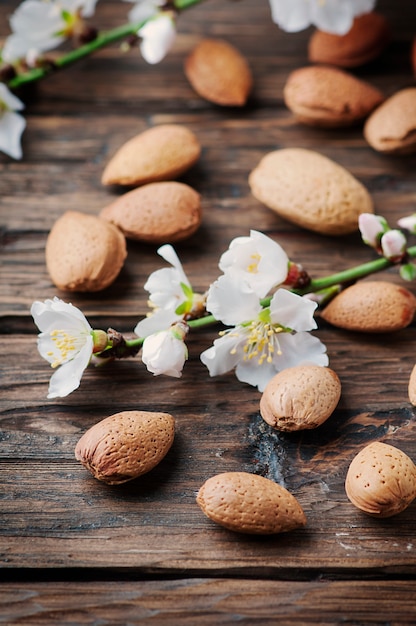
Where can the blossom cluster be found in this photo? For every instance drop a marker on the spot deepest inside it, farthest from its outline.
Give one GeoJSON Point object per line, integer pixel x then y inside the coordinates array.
{"type": "Point", "coordinates": [264, 334]}
{"type": "Point", "coordinates": [39, 26]}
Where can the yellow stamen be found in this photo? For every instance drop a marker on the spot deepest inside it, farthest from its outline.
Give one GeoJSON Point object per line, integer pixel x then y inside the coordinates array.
{"type": "Point", "coordinates": [66, 344]}
{"type": "Point", "coordinates": [252, 268]}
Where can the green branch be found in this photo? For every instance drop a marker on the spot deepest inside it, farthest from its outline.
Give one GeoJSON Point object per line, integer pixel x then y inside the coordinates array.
{"type": "Point", "coordinates": [101, 41]}
{"type": "Point", "coordinates": [319, 284]}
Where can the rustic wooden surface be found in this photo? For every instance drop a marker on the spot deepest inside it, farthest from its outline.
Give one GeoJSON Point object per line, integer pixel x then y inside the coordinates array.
{"type": "Point", "coordinates": [75, 551]}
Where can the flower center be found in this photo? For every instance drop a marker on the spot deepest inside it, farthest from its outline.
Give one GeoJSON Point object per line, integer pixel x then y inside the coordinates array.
{"type": "Point", "coordinates": [66, 345]}
{"type": "Point", "coordinates": [252, 268]}
{"type": "Point", "coordinates": [262, 341]}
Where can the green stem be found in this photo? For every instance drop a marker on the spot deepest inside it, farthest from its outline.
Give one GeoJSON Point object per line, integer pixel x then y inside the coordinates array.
{"type": "Point", "coordinates": [319, 284]}
{"type": "Point", "coordinates": [103, 39]}
{"type": "Point", "coordinates": [353, 274]}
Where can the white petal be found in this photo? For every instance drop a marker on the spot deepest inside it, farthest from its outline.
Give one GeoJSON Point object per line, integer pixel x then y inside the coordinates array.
{"type": "Point", "coordinates": [290, 15]}
{"type": "Point", "coordinates": [143, 10]}
{"type": "Point", "coordinates": [158, 36]}
{"type": "Point", "coordinates": [258, 260]}
{"type": "Point", "coordinates": [224, 354]}
{"type": "Point", "coordinates": [232, 302]}
{"type": "Point", "coordinates": [12, 126]}
{"type": "Point", "coordinates": [254, 374]}
{"type": "Point", "coordinates": [292, 311]}
{"type": "Point", "coordinates": [55, 313]}
{"type": "Point", "coordinates": [332, 16]}
{"type": "Point", "coordinates": [300, 348]}
{"type": "Point", "coordinates": [161, 320]}
{"type": "Point", "coordinates": [68, 376]}
{"type": "Point", "coordinates": [162, 353]}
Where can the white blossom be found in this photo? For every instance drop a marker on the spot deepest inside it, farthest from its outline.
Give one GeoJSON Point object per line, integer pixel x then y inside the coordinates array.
{"type": "Point", "coordinates": [333, 16]}
{"type": "Point", "coordinates": [158, 36]}
{"type": "Point", "coordinates": [144, 9]}
{"type": "Point", "coordinates": [66, 341]}
{"type": "Point", "coordinates": [12, 124]}
{"type": "Point", "coordinates": [41, 25]}
{"type": "Point", "coordinates": [263, 341]}
{"type": "Point", "coordinates": [165, 352]}
{"type": "Point", "coordinates": [171, 295]}
{"type": "Point", "coordinates": [258, 260]}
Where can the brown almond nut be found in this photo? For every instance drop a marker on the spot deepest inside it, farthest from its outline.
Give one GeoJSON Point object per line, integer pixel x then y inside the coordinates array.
{"type": "Point", "coordinates": [391, 128]}
{"type": "Point", "coordinates": [329, 97]}
{"type": "Point", "coordinates": [371, 307]}
{"type": "Point", "coordinates": [381, 480]}
{"type": "Point", "coordinates": [157, 212]}
{"type": "Point", "coordinates": [84, 252]}
{"type": "Point", "coordinates": [310, 190]}
{"type": "Point", "coordinates": [219, 73]}
{"type": "Point", "coordinates": [248, 503]}
{"type": "Point", "coordinates": [367, 38]}
{"type": "Point", "coordinates": [126, 445]}
{"type": "Point", "coordinates": [300, 397]}
{"type": "Point", "coordinates": [162, 152]}
{"type": "Point", "coordinates": [412, 386]}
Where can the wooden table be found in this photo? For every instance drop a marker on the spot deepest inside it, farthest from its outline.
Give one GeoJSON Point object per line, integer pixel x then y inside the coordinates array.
{"type": "Point", "coordinates": [75, 551]}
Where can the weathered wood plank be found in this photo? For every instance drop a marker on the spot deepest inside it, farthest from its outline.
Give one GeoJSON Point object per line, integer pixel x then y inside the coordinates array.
{"type": "Point", "coordinates": [218, 601]}
{"type": "Point", "coordinates": [54, 514]}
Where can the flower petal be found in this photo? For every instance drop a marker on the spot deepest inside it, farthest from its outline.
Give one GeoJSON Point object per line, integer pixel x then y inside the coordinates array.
{"type": "Point", "coordinates": [163, 353]}
{"type": "Point", "coordinates": [231, 301]}
{"type": "Point", "coordinates": [158, 36]}
{"type": "Point", "coordinates": [12, 126]}
{"type": "Point", "coordinates": [224, 354]}
{"type": "Point", "coordinates": [56, 313]}
{"type": "Point", "coordinates": [292, 311]}
{"type": "Point", "coordinates": [158, 321]}
{"type": "Point", "coordinates": [258, 260]}
{"type": "Point", "coordinates": [67, 377]}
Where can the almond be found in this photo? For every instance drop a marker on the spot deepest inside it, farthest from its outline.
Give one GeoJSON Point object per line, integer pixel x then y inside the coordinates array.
{"type": "Point", "coordinates": [371, 307]}
{"type": "Point", "coordinates": [310, 190]}
{"type": "Point", "coordinates": [126, 445]}
{"type": "Point", "coordinates": [381, 480]}
{"type": "Point", "coordinates": [219, 73]}
{"type": "Point", "coordinates": [300, 397]}
{"type": "Point", "coordinates": [329, 97]}
{"type": "Point", "coordinates": [84, 252]}
{"type": "Point", "coordinates": [412, 387]}
{"type": "Point", "coordinates": [248, 503]}
{"type": "Point", "coordinates": [157, 212]}
{"type": "Point", "coordinates": [391, 128]}
{"type": "Point", "coordinates": [162, 152]}
{"type": "Point", "coordinates": [367, 38]}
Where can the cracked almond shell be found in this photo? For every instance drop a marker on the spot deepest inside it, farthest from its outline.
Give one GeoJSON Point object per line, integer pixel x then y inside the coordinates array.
{"type": "Point", "coordinates": [248, 503]}
{"type": "Point", "coordinates": [381, 480]}
{"type": "Point", "coordinates": [126, 445]}
{"type": "Point", "coordinates": [84, 252]}
{"type": "Point", "coordinates": [300, 397]}
{"type": "Point", "coordinates": [372, 307]}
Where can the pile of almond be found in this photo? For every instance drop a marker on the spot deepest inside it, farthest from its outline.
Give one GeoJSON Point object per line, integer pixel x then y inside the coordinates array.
{"type": "Point", "coordinates": [86, 252]}
{"type": "Point", "coordinates": [327, 94]}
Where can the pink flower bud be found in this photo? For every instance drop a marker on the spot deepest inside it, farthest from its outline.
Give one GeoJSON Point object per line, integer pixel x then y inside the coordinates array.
{"type": "Point", "coordinates": [372, 228]}
{"type": "Point", "coordinates": [393, 245]}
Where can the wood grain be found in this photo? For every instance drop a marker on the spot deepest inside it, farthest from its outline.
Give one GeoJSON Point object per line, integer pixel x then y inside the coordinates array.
{"type": "Point", "coordinates": [75, 551]}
